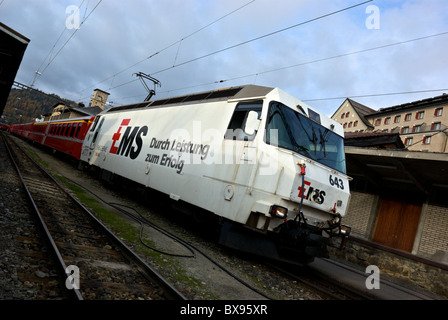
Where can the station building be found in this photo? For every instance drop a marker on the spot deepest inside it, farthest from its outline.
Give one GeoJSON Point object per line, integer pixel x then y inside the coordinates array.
{"type": "Point", "coordinates": [398, 199]}
{"type": "Point", "coordinates": [422, 125]}
{"type": "Point", "coordinates": [12, 50]}
{"type": "Point", "coordinates": [63, 111]}
{"type": "Point", "coordinates": [398, 211]}
{"type": "Point", "coordinates": [398, 160]}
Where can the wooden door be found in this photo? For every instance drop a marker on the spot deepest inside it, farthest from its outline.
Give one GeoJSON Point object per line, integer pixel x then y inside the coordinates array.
{"type": "Point", "coordinates": [397, 224]}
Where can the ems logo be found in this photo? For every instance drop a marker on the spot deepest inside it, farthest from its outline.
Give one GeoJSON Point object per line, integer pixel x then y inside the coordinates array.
{"type": "Point", "coordinates": [313, 194]}
{"type": "Point", "coordinates": [130, 142]}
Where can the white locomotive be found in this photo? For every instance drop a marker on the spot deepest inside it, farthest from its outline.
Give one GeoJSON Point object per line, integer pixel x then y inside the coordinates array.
{"type": "Point", "coordinates": [269, 165]}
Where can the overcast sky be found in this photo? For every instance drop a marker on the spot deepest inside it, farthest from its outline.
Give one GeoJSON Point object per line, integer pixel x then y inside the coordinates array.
{"type": "Point", "coordinates": [365, 50]}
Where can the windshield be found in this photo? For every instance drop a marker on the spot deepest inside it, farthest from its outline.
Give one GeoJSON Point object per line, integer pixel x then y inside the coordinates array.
{"type": "Point", "coordinates": [295, 132]}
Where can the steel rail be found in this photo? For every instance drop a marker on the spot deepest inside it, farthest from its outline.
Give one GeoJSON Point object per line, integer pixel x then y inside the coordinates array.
{"type": "Point", "coordinates": [55, 251]}
{"type": "Point", "coordinates": [169, 291]}
{"type": "Point", "coordinates": [320, 284]}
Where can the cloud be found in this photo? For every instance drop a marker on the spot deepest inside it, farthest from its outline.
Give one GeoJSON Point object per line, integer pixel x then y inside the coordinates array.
{"type": "Point", "coordinates": [118, 34]}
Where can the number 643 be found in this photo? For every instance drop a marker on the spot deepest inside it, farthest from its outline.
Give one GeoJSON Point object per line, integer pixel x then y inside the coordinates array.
{"type": "Point", "coordinates": [336, 182]}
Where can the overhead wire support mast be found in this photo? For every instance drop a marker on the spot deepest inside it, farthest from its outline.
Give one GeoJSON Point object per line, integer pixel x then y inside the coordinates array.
{"type": "Point", "coordinates": [151, 92]}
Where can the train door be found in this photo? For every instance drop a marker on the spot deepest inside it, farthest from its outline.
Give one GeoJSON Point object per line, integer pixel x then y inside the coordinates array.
{"type": "Point", "coordinates": [96, 130]}
{"type": "Point", "coordinates": [92, 136]}
{"type": "Point", "coordinates": [239, 141]}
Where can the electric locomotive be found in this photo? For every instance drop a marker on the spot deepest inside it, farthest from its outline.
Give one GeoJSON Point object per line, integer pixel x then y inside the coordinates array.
{"type": "Point", "coordinates": [268, 165]}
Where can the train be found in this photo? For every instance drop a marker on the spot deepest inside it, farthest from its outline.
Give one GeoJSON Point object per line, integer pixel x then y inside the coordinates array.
{"type": "Point", "coordinates": [66, 135]}
{"type": "Point", "coordinates": [269, 166]}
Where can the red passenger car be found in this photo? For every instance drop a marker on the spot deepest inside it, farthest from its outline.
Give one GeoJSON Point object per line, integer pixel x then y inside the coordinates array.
{"type": "Point", "coordinates": [37, 131]}
{"type": "Point", "coordinates": [67, 135]}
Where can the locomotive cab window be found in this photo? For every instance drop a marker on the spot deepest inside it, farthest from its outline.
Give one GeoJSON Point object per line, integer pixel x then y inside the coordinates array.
{"type": "Point", "coordinates": [237, 125]}
{"type": "Point", "coordinates": [288, 129]}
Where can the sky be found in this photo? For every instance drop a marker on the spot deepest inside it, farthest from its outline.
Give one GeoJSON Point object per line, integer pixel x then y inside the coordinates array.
{"type": "Point", "coordinates": [320, 51]}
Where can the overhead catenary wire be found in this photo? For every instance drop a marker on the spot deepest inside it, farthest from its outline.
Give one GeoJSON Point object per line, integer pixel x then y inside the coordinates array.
{"type": "Point", "coordinates": [230, 47]}
{"type": "Point", "coordinates": [294, 65]}
{"type": "Point", "coordinates": [337, 56]}
{"type": "Point", "coordinates": [38, 71]}
{"type": "Point", "coordinates": [322, 60]}
{"type": "Point", "coordinates": [377, 95]}
{"type": "Point", "coordinates": [63, 46]}
{"type": "Point", "coordinates": [169, 46]}
{"type": "Point", "coordinates": [260, 37]}
{"type": "Point", "coordinates": [427, 136]}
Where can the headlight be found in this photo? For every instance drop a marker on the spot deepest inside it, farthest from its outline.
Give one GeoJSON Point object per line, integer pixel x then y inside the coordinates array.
{"type": "Point", "coordinates": [345, 230]}
{"type": "Point", "coordinates": [278, 211]}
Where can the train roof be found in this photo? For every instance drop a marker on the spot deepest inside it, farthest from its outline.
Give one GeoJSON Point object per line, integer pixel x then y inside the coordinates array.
{"type": "Point", "coordinates": [244, 92]}
{"type": "Point", "coordinates": [241, 92]}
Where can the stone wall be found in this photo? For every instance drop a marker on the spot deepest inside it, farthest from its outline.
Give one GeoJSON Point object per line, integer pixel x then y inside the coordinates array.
{"type": "Point", "coordinates": [401, 268]}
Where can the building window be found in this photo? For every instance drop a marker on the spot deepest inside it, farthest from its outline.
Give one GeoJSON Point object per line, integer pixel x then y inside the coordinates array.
{"type": "Point", "coordinates": [417, 128]}
{"type": "Point", "coordinates": [387, 120]}
{"type": "Point", "coordinates": [345, 125]}
{"type": "Point", "coordinates": [438, 112]}
{"type": "Point", "coordinates": [347, 114]}
{"type": "Point", "coordinates": [355, 124]}
{"type": "Point", "coordinates": [404, 130]}
{"type": "Point", "coordinates": [350, 124]}
{"type": "Point", "coordinates": [419, 115]}
{"type": "Point", "coordinates": [436, 126]}
{"type": "Point", "coordinates": [426, 139]}
{"type": "Point", "coordinates": [408, 117]}
{"type": "Point", "coordinates": [377, 122]}
{"type": "Point", "coordinates": [408, 141]}
{"type": "Point", "coordinates": [397, 119]}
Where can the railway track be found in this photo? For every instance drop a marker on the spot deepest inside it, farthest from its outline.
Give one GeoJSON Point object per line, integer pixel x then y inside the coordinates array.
{"type": "Point", "coordinates": [327, 288]}
{"type": "Point", "coordinates": [336, 281]}
{"type": "Point", "coordinates": [92, 261]}
{"type": "Point", "coordinates": [318, 284]}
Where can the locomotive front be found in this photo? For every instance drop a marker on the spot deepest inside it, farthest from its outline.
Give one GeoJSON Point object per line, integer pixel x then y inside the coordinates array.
{"type": "Point", "coordinates": [320, 185]}
{"type": "Point", "coordinates": [300, 191]}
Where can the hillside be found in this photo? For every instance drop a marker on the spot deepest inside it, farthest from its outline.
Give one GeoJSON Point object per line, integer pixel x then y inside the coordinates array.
{"type": "Point", "coordinates": [25, 105]}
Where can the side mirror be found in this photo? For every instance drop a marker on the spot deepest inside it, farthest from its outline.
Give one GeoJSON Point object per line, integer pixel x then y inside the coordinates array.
{"type": "Point", "coordinates": [252, 123]}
